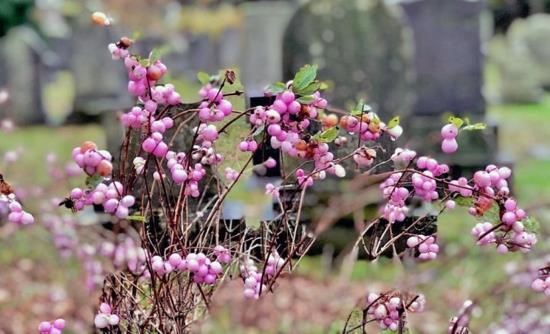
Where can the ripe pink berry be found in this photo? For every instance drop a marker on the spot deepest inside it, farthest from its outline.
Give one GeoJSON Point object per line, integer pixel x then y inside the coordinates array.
{"type": "Point", "coordinates": [538, 285]}
{"type": "Point", "coordinates": [450, 204]}
{"type": "Point", "coordinates": [59, 323]}
{"type": "Point", "coordinates": [149, 145]}
{"type": "Point", "coordinates": [287, 97]}
{"type": "Point", "coordinates": [294, 107]}
{"type": "Point", "coordinates": [449, 131]}
{"type": "Point", "coordinates": [449, 145]}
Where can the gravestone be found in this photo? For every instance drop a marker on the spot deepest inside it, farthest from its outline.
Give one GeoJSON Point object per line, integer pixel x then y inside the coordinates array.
{"type": "Point", "coordinates": [202, 52]}
{"type": "Point", "coordinates": [264, 27]}
{"type": "Point", "coordinates": [21, 51]}
{"type": "Point", "coordinates": [362, 46]}
{"type": "Point", "coordinates": [447, 56]}
{"type": "Point", "coordinates": [229, 48]}
{"type": "Point", "coordinates": [448, 65]}
{"type": "Point", "coordinates": [100, 82]}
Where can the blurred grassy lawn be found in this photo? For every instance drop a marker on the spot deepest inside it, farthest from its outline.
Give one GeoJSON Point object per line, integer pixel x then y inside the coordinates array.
{"type": "Point", "coordinates": [446, 283]}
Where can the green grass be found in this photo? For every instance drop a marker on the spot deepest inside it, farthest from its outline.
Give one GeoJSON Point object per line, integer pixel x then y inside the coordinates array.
{"type": "Point", "coordinates": [37, 142]}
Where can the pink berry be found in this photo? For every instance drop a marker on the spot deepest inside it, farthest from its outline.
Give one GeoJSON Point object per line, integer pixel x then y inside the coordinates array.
{"type": "Point", "coordinates": [149, 145]}
{"type": "Point", "coordinates": [538, 285]}
{"type": "Point", "coordinates": [59, 323]}
{"type": "Point", "coordinates": [449, 131]}
{"type": "Point", "coordinates": [449, 145]}
{"type": "Point", "coordinates": [450, 204]}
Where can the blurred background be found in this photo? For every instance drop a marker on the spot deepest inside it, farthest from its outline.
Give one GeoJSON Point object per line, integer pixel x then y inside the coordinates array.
{"type": "Point", "coordinates": [420, 59]}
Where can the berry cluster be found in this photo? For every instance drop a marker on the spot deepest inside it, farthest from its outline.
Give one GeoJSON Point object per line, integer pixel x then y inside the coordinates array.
{"type": "Point", "coordinates": [143, 78]}
{"type": "Point", "coordinates": [287, 123]}
{"type": "Point", "coordinates": [126, 254]}
{"type": "Point", "coordinates": [448, 134]}
{"type": "Point", "coordinates": [490, 186]}
{"type": "Point", "coordinates": [113, 201]}
{"type": "Point", "coordinates": [92, 160]}
{"type": "Point", "coordinates": [364, 156]}
{"type": "Point", "coordinates": [105, 317]}
{"type": "Point", "coordinates": [203, 269]}
{"type": "Point", "coordinates": [368, 126]}
{"type": "Point", "coordinates": [176, 163]}
{"type": "Point", "coordinates": [272, 190]}
{"type": "Point", "coordinates": [136, 117]}
{"type": "Point", "coordinates": [402, 155]}
{"type": "Point", "coordinates": [395, 208]}
{"type": "Point", "coordinates": [55, 327]}
{"type": "Point", "coordinates": [16, 213]}
{"type": "Point", "coordinates": [274, 263]}
{"type": "Point", "coordinates": [214, 107]}
{"type": "Point", "coordinates": [388, 309]}
{"type": "Point", "coordinates": [248, 145]}
{"type": "Point", "coordinates": [542, 282]}
{"type": "Point", "coordinates": [231, 174]}
{"type": "Point", "coordinates": [484, 233]}
{"type": "Point", "coordinates": [223, 255]}
{"type": "Point", "coordinates": [155, 145]}
{"type": "Point", "coordinates": [252, 280]}
{"type": "Point", "coordinates": [427, 246]}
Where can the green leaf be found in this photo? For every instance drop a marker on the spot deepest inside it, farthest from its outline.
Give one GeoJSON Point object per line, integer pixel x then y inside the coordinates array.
{"type": "Point", "coordinates": [93, 181]}
{"type": "Point", "coordinates": [361, 108]}
{"type": "Point", "coordinates": [204, 78]}
{"type": "Point", "coordinates": [531, 225]}
{"type": "Point", "coordinates": [276, 88]}
{"type": "Point", "coordinates": [476, 126]}
{"type": "Point", "coordinates": [310, 89]}
{"type": "Point", "coordinates": [144, 62]}
{"type": "Point", "coordinates": [457, 121]}
{"type": "Point", "coordinates": [393, 122]}
{"type": "Point", "coordinates": [138, 218]}
{"type": "Point", "coordinates": [304, 77]}
{"type": "Point", "coordinates": [355, 112]}
{"type": "Point", "coordinates": [308, 99]}
{"type": "Point", "coordinates": [375, 119]}
{"type": "Point", "coordinates": [324, 85]}
{"type": "Point", "coordinates": [464, 201]}
{"type": "Point", "coordinates": [157, 53]}
{"type": "Point", "coordinates": [328, 135]}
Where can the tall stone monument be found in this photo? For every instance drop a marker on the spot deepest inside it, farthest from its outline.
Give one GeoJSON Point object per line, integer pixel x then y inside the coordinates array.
{"type": "Point", "coordinates": [448, 66]}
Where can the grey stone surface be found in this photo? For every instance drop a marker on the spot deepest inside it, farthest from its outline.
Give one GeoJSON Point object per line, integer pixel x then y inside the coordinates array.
{"type": "Point", "coordinates": [362, 46]}
{"type": "Point", "coordinates": [448, 65]}
{"type": "Point", "coordinates": [21, 52]}
{"type": "Point", "coordinates": [447, 59]}
{"type": "Point", "coordinates": [262, 61]}
{"type": "Point", "coordinates": [100, 82]}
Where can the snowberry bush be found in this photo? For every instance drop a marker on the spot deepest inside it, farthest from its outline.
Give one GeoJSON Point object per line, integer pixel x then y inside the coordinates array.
{"type": "Point", "coordinates": [168, 248]}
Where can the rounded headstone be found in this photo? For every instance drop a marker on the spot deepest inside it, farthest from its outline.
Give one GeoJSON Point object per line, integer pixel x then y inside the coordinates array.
{"type": "Point", "coordinates": [362, 46]}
